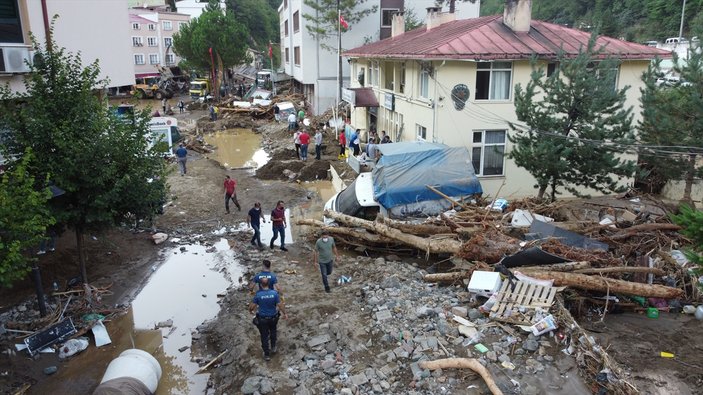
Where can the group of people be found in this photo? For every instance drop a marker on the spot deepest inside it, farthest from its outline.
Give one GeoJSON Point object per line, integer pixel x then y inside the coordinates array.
{"type": "Point", "coordinates": [301, 139]}
{"type": "Point", "coordinates": [372, 151]}
{"type": "Point", "coordinates": [166, 107]}
{"type": "Point", "coordinates": [267, 303]}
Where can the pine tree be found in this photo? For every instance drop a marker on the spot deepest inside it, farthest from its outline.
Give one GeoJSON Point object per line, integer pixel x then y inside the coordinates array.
{"type": "Point", "coordinates": [323, 23]}
{"type": "Point", "coordinates": [692, 223]}
{"type": "Point", "coordinates": [574, 119]}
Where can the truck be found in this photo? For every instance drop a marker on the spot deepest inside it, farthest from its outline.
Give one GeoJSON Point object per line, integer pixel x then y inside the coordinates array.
{"type": "Point", "coordinates": [200, 88]}
{"type": "Point", "coordinates": [397, 187]}
{"type": "Point", "coordinates": [163, 133]}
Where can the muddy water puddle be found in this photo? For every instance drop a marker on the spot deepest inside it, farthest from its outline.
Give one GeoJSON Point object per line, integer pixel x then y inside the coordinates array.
{"type": "Point", "coordinates": [237, 148]}
{"type": "Point", "coordinates": [183, 290]}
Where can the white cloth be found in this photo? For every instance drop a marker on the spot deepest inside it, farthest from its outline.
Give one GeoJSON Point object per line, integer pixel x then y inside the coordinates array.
{"type": "Point", "coordinates": [292, 117]}
{"type": "Point", "coordinates": [296, 137]}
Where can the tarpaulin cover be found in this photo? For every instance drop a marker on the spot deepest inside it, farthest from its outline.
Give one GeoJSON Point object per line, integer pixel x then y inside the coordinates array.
{"type": "Point", "coordinates": [402, 174]}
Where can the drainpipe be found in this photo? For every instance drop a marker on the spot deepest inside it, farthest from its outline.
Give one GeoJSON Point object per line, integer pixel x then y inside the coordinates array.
{"type": "Point", "coordinates": [435, 102]}
{"type": "Point", "coordinates": [47, 26]}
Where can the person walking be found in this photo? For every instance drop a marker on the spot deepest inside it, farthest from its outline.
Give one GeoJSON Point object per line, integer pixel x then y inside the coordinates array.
{"type": "Point", "coordinates": [230, 186]}
{"type": "Point", "coordinates": [268, 308]}
{"type": "Point", "coordinates": [292, 122]}
{"type": "Point", "coordinates": [212, 113]}
{"type": "Point", "coordinates": [296, 141]}
{"type": "Point", "coordinates": [278, 223]}
{"type": "Point", "coordinates": [304, 141]}
{"type": "Point", "coordinates": [342, 145]}
{"type": "Point", "coordinates": [324, 253]}
{"type": "Point", "coordinates": [301, 115]}
{"type": "Point", "coordinates": [164, 102]}
{"type": "Point", "coordinates": [265, 273]}
{"type": "Point", "coordinates": [277, 113]}
{"type": "Point", "coordinates": [182, 157]}
{"type": "Point", "coordinates": [181, 106]}
{"type": "Point", "coordinates": [354, 142]}
{"type": "Point", "coordinates": [318, 144]}
{"type": "Point", "coordinates": [254, 221]}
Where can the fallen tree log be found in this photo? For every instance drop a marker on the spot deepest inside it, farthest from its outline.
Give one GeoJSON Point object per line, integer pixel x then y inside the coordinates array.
{"type": "Point", "coordinates": [557, 267]}
{"type": "Point", "coordinates": [637, 229]}
{"type": "Point", "coordinates": [429, 245]}
{"type": "Point", "coordinates": [464, 363]}
{"type": "Point", "coordinates": [447, 277]}
{"type": "Point", "coordinates": [604, 284]}
{"type": "Point", "coordinates": [416, 229]}
{"type": "Point", "coordinates": [622, 269]}
{"type": "Point", "coordinates": [337, 230]}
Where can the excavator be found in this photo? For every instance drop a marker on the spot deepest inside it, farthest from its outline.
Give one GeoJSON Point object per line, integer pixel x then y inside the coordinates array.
{"type": "Point", "coordinates": [171, 81]}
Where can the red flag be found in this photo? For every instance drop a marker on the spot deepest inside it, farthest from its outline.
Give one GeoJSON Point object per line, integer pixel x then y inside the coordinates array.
{"type": "Point", "coordinates": [270, 51]}
{"type": "Point", "coordinates": [343, 22]}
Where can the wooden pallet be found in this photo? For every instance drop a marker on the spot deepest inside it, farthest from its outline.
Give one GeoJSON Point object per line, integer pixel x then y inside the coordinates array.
{"type": "Point", "coordinates": [526, 296]}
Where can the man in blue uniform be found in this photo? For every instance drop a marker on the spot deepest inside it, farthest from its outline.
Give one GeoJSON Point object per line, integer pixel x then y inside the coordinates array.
{"type": "Point", "coordinates": [266, 273]}
{"type": "Point", "coordinates": [269, 309]}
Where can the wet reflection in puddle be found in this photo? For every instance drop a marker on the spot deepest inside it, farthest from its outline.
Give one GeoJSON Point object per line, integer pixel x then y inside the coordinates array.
{"type": "Point", "coordinates": [323, 188]}
{"type": "Point", "coordinates": [184, 289]}
{"type": "Point", "coordinates": [238, 148]}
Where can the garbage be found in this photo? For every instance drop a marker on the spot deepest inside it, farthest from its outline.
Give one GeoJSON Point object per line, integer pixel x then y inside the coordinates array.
{"type": "Point", "coordinates": [484, 283]}
{"type": "Point", "coordinates": [49, 370]}
{"type": "Point", "coordinates": [508, 365]}
{"type": "Point", "coordinates": [54, 334]}
{"type": "Point", "coordinates": [481, 348]}
{"type": "Point", "coordinates": [100, 333]}
{"type": "Point", "coordinates": [679, 257]}
{"type": "Point", "coordinates": [689, 309]}
{"type": "Point", "coordinates": [545, 325]}
{"type": "Point", "coordinates": [699, 313]}
{"type": "Point", "coordinates": [664, 354]}
{"type": "Point", "coordinates": [499, 205]}
{"type": "Point", "coordinates": [524, 218]}
{"type": "Point", "coordinates": [652, 312]}
{"type": "Point", "coordinates": [73, 347]}
{"type": "Point", "coordinates": [344, 280]}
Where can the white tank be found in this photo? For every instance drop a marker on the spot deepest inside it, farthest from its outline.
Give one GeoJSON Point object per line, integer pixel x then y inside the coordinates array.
{"type": "Point", "coordinates": [136, 364]}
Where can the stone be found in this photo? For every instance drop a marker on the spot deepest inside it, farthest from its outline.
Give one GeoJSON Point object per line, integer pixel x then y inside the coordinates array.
{"type": "Point", "coordinates": [21, 308]}
{"type": "Point", "coordinates": [383, 315]}
{"type": "Point", "coordinates": [425, 311]}
{"type": "Point", "coordinates": [346, 391]}
{"type": "Point", "coordinates": [530, 345]}
{"type": "Point", "coordinates": [265, 386]}
{"type": "Point", "coordinates": [504, 358]}
{"type": "Point", "coordinates": [467, 331]}
{"type": "Point", "coordinates": [385, 385]}
{"type": "Point", "coordinates": [491, 355]}
{"type": "Point", "coordinates": [391, 282]}
{"type": "Point", "coordinates": [460, 311]}
{"type": "Point", "coordinates": [251, 385]}
{"type": "Point", "coordinates": [474, 314]}
{"type": "Point", "coordinates": [380, 261]}
{"type": "Point", "coordinates": [165, 324]}
{"type": "Point", "coordinates": [373, 301]}
{"type": "Point", "coordinates": [321, 339]}
{"type": "Point", "coordinates": [416, 370]}
{"type": "Point", "coordinates": [529, 389]}
{"type": "Point", "coordinates": [548, 358]}
{"type": "Point", "coordinates": [359, 379]}
{"type": "Point", "coordinates": [50, 370]}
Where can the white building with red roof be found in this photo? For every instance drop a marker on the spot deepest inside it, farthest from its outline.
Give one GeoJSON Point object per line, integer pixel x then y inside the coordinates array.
{"type": "Point", "coordinates": [405, 84]}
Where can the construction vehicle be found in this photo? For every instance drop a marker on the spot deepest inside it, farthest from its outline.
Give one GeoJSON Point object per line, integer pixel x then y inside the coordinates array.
{"type": "Point", "coordinates": [170, 81]}
{"type": "Point", "coordinates": [200, 88]}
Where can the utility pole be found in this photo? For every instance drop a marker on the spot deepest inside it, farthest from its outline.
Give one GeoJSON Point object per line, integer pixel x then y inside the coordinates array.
{"type": "Point", "coordinates": [339, 54]}
{"type": "Point", "coordinates": [683, 11]}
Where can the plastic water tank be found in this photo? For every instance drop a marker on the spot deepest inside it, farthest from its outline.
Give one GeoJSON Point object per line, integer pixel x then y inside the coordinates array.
{"type": "Point", "coordinates": [137, 364]}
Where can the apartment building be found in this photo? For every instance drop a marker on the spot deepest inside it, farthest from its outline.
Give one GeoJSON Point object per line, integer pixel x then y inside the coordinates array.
{"type": "Point", "coordinates": [151, 38]}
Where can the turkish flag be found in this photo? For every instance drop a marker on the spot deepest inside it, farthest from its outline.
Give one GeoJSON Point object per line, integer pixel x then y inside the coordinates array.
{"type": "Point", "coordinates": [270, 51]}
{"type": "Point", "coordinates": [343, 22]}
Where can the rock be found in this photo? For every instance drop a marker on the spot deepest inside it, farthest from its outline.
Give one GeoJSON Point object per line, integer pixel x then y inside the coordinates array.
{"type": "Point", "coordinates": [383, 315]}
{"type": "Point", "coordinates": [491, 355]}
{"type": "Point", "coordinates": [416, 370]}
{"type": "Point", "coordinates": [391, 282]}
{"type": "Point", "coordinates": [50, 370]}
{"type": "Point", "coordinates": [317, 340]}
{"type": "Point", "coordinates": [165, 324]}
{"type": "Point", "coordinates": [327, 363]}
{"type": "Point", "coordinates": [504, 358]}
{"type": "Point", "coordinates": [251, 385]}
{"type": "Point", "coordinates": [265, 386]}
{"type": "Point", "coordinates": [530, 345]}
{"type": "Point", "coordinates": [392, 258]}
{"type": "Point", "coordinates": [548, 358]}
{"type": "Point", "coordinates": [359, 379]}
{"type": "Point", "coordinates": [346, 391]}
{"type": "Point", "coordinates": [529, 389]}
{"type": "Point", "coordinates": [183, 348]}
{"type": "Point", "coordinates": [474, 314]}
{"type": "Point", "coordinates": [460, 311]}
{"type": "Point", "coordinates": [373, 301]}
{"type": "Point", "coordinates": [21, 308]}
{"type": "Point", "coordinates": [425, 311]}
{"type": "Point", "coordinates": [159, 238]}
{"type": "Point", "coordinates": [467, 331]}
{"type": "Point", "coordinates": [379, 262]}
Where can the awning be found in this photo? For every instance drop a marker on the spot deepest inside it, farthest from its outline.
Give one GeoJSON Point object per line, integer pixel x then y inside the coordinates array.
{"type": "Point", "coordinates": [365, 97]}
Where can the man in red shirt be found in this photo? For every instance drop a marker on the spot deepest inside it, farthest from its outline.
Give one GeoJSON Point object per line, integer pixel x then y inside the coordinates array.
{"type": "Point", "coordinates": [342, 145]}
{"type": "Point", "coordinates": [231, 193]}
{"type": "Point", "coordinates": [278, 222]}
{"type": "Point", "coordinates": [304, 141]}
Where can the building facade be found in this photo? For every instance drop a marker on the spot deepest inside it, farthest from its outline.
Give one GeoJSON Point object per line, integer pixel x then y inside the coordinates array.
{"type": "Point", "coordinates": [193, 8]}
{"type": "Point", "coordinates": [312, 62]}
{"type": "Point", "coordinates": [151, 39]}
{"type": "Point", "coordinates": [452, 81]}
{"type": "Point", "coordinates": [76, 20]}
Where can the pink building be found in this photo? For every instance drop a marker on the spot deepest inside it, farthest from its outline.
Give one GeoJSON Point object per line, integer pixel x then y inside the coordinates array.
{"type": "Point", "coordinates": [151, 32]}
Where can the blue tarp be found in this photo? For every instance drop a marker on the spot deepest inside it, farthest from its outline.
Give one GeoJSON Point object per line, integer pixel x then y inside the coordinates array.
{"type": "Point", "coordinates": [402, 174]}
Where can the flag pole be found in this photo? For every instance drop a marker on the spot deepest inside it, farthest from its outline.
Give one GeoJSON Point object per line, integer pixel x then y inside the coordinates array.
{"type": "Point", "coordinates": [339, 65]}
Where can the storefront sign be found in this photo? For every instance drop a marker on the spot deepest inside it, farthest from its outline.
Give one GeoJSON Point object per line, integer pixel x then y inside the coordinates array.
{"type": "Point", "coordinates": [349, 96]}
{"type": "Point", "coordinates": [389, 101]}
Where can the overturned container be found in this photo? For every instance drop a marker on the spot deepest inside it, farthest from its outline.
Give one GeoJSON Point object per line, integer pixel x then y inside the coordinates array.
{"type": "Point", "coordinates": [134, 372]}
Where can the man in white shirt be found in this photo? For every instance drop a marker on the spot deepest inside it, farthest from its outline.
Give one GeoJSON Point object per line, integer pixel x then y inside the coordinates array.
{"type": "Point", "coordinates": [318, 143]}
{"type": "Point", "coordinates": [292, 121]}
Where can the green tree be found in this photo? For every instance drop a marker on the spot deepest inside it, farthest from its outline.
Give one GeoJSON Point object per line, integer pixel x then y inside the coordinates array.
{"type": "Point", "coordinates": [24, 217]}
{"type": "Point", "coordinates": [80, 144]}
{"type": "Point", "coordinates": [323, 22]}
{"type": "Point", "coordinates": [215, 30]}
{"type": "Point", "coordinates": [691, 221]}
{"type": "Point", "coordinates": [412, 21]}
{"type": "Point", "coordinates": [573, 119]}
{"type": "Point", "coordinates": [260, 19]}
{"type": "Point", "coordinates": [672, 122]}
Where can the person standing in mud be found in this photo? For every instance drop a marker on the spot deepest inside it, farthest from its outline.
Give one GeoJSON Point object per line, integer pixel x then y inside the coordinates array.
{"type": "Point", "coordinates": [230, 186]}
{"type": "Point", "coordinates": [269, 306]}
{"type": "Point", "coordinates": [304, 141]}
{"type": "Point", "coordinates": [324, 254]}
{"type": "Point", "coordinates": [318, 143]}
{"type": "Point", "coordinates": [182, 156]}
{"type": "Point", "coordinates": [296, 141]}
{"type": "Point", "coordinates": [278, 223]}
{"type": "Point", "coordinates": [342, 145]}
{"type": "Point", "coordinates": [253, 220]}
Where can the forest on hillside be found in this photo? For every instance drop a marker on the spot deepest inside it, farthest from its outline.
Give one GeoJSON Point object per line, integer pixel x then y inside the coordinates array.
{"type": "Point", "coordinates": [633, 20]}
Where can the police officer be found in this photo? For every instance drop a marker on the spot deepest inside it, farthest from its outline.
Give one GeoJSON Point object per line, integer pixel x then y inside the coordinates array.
{"type": "Point", "coordinates": [270, 309]}
{"type": "Point", "coordinates": [265, 273]}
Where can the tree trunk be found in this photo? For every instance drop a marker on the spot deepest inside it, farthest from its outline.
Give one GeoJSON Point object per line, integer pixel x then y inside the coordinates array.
{"type": "Point", "coordinates": [417, 229]}
{"type": "Point", "coordinates": [80, 245]}
{"type": "Point", "coordinates": [339, 230]}
{"type": "Point", "coordinates": [603, 284]}
{"type": "Point", "coordinates": [690, 177]}
{"type": "Point", "coordinates": [447, 277]}
{"type": "Point", "coordinates": [464, 363]}
{"type": "Point", "coordinates": [637, 229]}
{"type": "Point", "coordinates": [556, 267]}
{"type": "Point", "coordinates": [541, 191]}
{"type": "Point", "coordinates": [433, 246]}
{"type": "Point", "coordinates": [622, 269]}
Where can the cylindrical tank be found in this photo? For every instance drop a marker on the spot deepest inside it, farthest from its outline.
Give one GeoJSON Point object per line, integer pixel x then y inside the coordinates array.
{"type": "Point", "coordinates": [136, 364]}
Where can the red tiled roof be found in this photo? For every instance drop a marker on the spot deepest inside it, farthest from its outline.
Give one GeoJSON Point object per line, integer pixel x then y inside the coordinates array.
{"type": "Point", "coordinates": [487, 38]}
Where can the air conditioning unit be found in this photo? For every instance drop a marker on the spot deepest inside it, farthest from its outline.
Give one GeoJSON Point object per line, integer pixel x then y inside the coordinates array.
{"type": "Point", "coordinates": [14, 59]}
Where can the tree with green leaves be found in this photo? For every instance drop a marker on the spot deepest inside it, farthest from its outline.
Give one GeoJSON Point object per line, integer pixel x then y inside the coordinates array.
{"type": "Point", "coordinates": [81, 145]}
{"type": "Point", "coordinates": [671, 128]}
{"type": "Point", "coordinates": [214, 30]}
{"type": "Point", "coordinates": [691, 221]}
{"type": "Point", "coordinates": [24, 217]}
{"type": "Point", "coordinates": [323, 21]}
{"type": "Point", "coordinates": [574, 120]}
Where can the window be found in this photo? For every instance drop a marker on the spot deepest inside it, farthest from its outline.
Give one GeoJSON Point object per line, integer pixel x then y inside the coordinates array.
{"type": "Point", "coordinates": [181, 25]}
{"type": "Point", "coordinates": [152, 27]}
{"type": "Point", "coordinates": [487, 152]}
{"type": "Point", "coordinates": [373, 73]}
{"type": "Point", "coordinates": [137, 41]}
{"type": "Point", "coordinates": [608, 72]}
{"type": "Point", "coordinates": [153, 58]}
{"type": "Point", "coordinates": [151, 41]}
{"type": "Point", "coordinates": [287, 55]}
{"type": "Point", "coordinates": [168, 42]}
{"type": "Point", "coordinates": [285, 27]}
{"type": "Point", "coordinates": [168, 25]}
{"type": "Point", "coordinates": [551, 68]}
{"type": "Point", "coordinates": [421, 132]}
{"type": "Point", "coordinates": [296, 56]}
{"type": "Point", "coordinates": [388, 77]}
{"type": "Point", "coordinates": [401, 78]}
{"type": "Point", "coordinates": [493, 80]}
{"type": "Point", "coordinates": [135, 26]}
{"type": "Point", "coordinates": [296, 21]}
{"type": "Point", "coordinates": [10, 22]}
{"type": "Point", "coordinates": [424, 84]}
{"type": "Point", "coordinates": [138, 59]}
{"type": "Point", "coordinates": [387, 16]}
{"type": "Point", "coordinates": [170, 58]}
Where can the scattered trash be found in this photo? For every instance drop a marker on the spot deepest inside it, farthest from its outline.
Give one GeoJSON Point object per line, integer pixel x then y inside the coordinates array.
{"type": "Point", "coordinates": [699, 313]}
{"type": "Point", "coordinates": [73, 347]}
{"type": "Point", "coordinates": [344, 280]}
{"type": "Point", "coordinates": [545, 325]}
{"type": "Point", "coordinates": [49, 370]}
{"type": "Point", "coordinates": [165, 324]}
{"type": "Point", "coordinates": [100, 333]}
{"type": "Point", "coordinates": [524, 218]}
{"type": "Point", "coordinates": [159, 238]}
{"type": "Point", "coordinates": [499, 205]}
{"type": "Point", "coordinates": [664, 354]}
{"type": "Point", "coordinates": [481, 348]}
{"type": "Point", "coordinates": [689, 309]}
{"type": "Point", "coordinates": [54, 334]}
{"type": "Point", "coordinates": [181, 349]}
{"type": "Point", "coordinates": [508, 365]}
{"type": "Point", "coordinates": [652, 312]}
{"type": "Point", "coordinates": [484, 283]}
